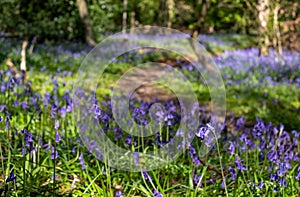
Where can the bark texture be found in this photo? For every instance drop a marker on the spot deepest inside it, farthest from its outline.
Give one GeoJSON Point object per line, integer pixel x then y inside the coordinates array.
{"type": "Point", "coordinates": [124, 16]}
{"type": "Point", "coordinates": [263, 17]}
{"type": "Point", "coordinates": [84, 15]}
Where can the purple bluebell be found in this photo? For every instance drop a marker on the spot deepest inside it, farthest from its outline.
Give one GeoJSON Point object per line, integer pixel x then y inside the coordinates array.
{"type": "Point", "coordinates": [298, 176]}
{"type": "Point", "coordinates": [260, 185]}
{"type": "Point", "coordinates": [273, 177]}
{"type": "Point", "coordinates": [81, 161]}
{"type": "Point", "coordinates": [11, 177]}
{"type": "Point", "coordinates": [57, 137]}
{"type": "Point", "coordinates": [53, 111]}
{"type": "Point", "coordinates": [73, 149]}
{"type": "Point", "coordinates": [3, 87]}
{"type": "Point", "coordinates": [7, 123]}
{"type": "Point", "coordinates": [259, 129]}
{"type": "Point", "coordinates": [3, 107]}
{"type": "Point", "coordinates": [128, 140]}
{"type": "Point", "coordinates": [194, 156]}
{"type": "Point", "coordinates": [197, 179]}
{"type": "Point", "coordinates": [118, 194]}
{"type": "Point", "coordinates": [240, 123]}
{"type": "Point", "coordinates": [136, 158]}
{"type": "Point", "coordinates": [24, 105]}
{"type": "Point", "coordinates": [54, 153]}
{"type": "Point", "coordinates": [231, 147]}
{"type": "Point", "coordinates": [146, 176]}
{"type": "Point", "coordinates": [56, 125]}
{"type": "Point", "coordinates": [233, 173]}
{"type": "Point", "coordinates": [23, 151]}
{"type": "Point", "coordinates": [46, 146]}
{"type": "Point", "coordinates": [28, 137]}
{"type": "Point", "coordinates": [282, 182]}
{"type": "Point", "coordinates": [240, 166]}
{"type": "Point", "coordinates": [62, 111]}
{"type": "Point", "coordinates": [223, 183]}
{"type": "Point", "coordinates": [156, 193]}
{"type": "Point", "coordinates": [201, 132]}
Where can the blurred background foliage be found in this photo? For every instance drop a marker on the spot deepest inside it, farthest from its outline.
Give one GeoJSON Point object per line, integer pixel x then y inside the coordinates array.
{"type": "Point", "coordinates": [60, 19]}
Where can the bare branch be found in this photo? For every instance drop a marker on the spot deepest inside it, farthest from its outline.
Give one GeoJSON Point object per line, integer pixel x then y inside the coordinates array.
{"type": "Point", "coordinates": [11, 66]}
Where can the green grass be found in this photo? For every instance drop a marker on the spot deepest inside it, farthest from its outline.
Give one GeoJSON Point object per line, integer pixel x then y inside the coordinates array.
{"type": "Point", "coordinates": [34, 171]}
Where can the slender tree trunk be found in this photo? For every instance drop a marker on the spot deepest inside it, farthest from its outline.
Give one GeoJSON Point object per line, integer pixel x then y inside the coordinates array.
{"type": "Point", "coordinates": [23, 59]}
{"type": "Point", "coordinates": [12, 67]}
{"type": "Point", "coordinates": [33, 41]}
{"type": "Point", "coordinates": [277, 38]}
{"type": "Point", "coordinates": [263, 17]}
{"type": "Point", "coordinates": [202, 7]}
{"type": "Point", "coordinates": [160, 16]}
{"type": "Point", "coordinates": [132, 21]}
{"type": "Point", "coordinates": [124, 17]}
{"type": "Point", "coordinates": [170, 7]}
{"type": "Point", "coordinates": [84, 15]}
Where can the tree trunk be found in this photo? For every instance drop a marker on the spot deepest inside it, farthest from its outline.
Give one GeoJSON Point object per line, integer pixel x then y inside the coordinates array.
{"type": "Point", "coordinates": [132, 21]}
{"type": "Point", "coordinates": [276, 38]}
{"type": "Point", "coordinates": [263, 17]}
{"type": "Point", "coordinates": [170, 7]}
{"type": "Point", "coordinates": [12, 67]}
{"type": "Point", "coordinates": [84, 15]}
{"type": "Point", "coordinates": [23, 59]}
{"type": "Point", "coordinates": [160, 16]}
{"type": "Point", "coordinates": [202, 7]}
{"type": "Point", "coordinates": [124, 17]}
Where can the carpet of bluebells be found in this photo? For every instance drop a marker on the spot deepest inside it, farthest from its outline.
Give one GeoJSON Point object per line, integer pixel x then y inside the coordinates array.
{"type": "Point", "coordinates": [257, 154]}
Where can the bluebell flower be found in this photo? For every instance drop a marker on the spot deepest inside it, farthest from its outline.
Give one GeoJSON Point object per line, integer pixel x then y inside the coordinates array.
{"type": "Point", "coordinates": [3, 87]}
{"type": "Point", "coordinates": [156, 193]}
{"type": "Point", "coordinates": [7, 123]}
{"type": "Point", "coordinates": [146, 176]}
{"type": "Point", "coordinates": [81, 161]}
{"type": "Point", "coordinates": [2, 107]}
{"type": "Point", "coordinates": [118, 194]}
{"type": "Point", "coordinates": [62, 111]}
{"type": "Point", "coordinates": [273, 177]}
{"type": "Point", "coordinates": [28, 137]}
{"type": "Point", "coordinates": [57, 137]}
{"type": "Point", "coordinates": [223, 184]}
{"type": "Point", "coordinates": [56, 125]}
{"type": "Point", "coordinates": [11, 177]}
{"type": "Point", "coordinates": [194, 156]}
{"type": "Point", "coordinates": [23, 151]}
{"type": "Point", "coordinates": [46, 146]}
{"type": "Point", "coordinates": [231, 148]}
{"type": "Point", "coordinates": [240, 165]}
{"type": "Point", "coordinates": [296, 134]}
{"type": "Point", "coordinates": [136, 158]}
{"type": "Point", "coordinates": [260, 185]}
{"type": "Point", "coordinates": [281, 170]}
{"type": "Point", "coordinates": [298, 176]}
{"type": "Point", "coordinates": [97, 111]}
{"type": "Point", "coordinates": [24, 105]}
{"type": "Point", "coordinates": [128, 140]}
{"type": "Point", "coordinates": [54, 154]}
{"type": "Point", "coordinates": [259, 129]}
{"type": "Point", "coordinates": [282, 182]}
{"type": "Point", "coordinates": [233, 173]}
{"type": "Point", "coordinates": [240, 123]}
{"type": "Point", "coordinates": [53, 111]}
{"type": "Point", "coordinates": [73, 150]}
{"type": "Point", "coordinates": [197, 178]}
